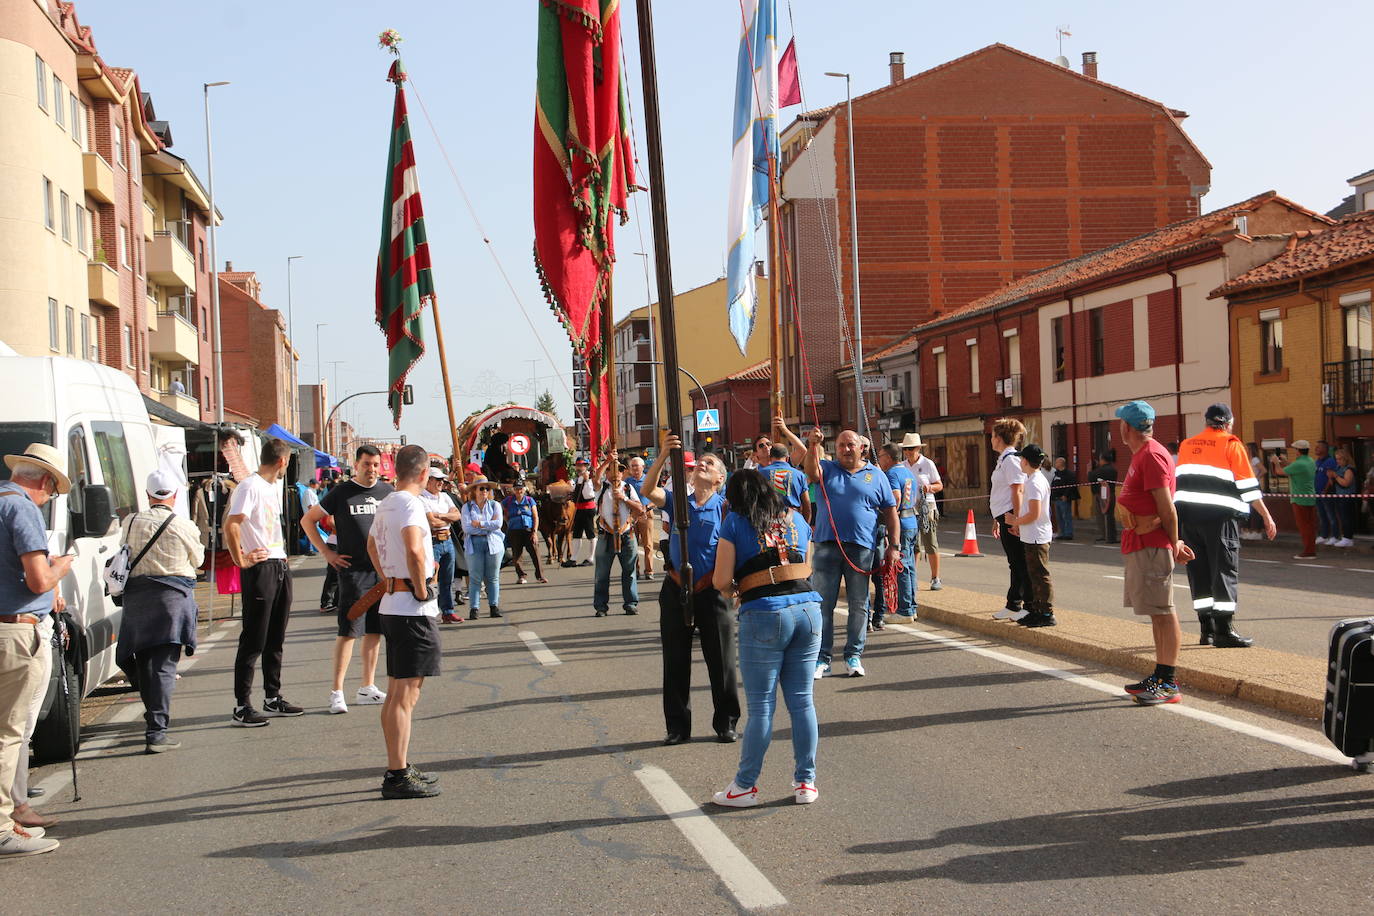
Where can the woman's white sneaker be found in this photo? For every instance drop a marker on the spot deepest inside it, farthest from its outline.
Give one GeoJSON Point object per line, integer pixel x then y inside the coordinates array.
{"type": "Point", "coordinates": [370, 696]}
{"type": "Point", "coordinates": [805, 792]}
{"type": "Point", "coordinates": [336, 702]}
{"type": "Point", "coordinates": [735, 797]}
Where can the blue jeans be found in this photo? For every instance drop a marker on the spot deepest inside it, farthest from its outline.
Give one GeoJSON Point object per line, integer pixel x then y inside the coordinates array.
{"type": "Point", "coordinates": [906, 581]}
{"type": "Point", "coordinates": [483, 569]}
{"type": "Point", "coordinates": [629, 580]}
{"type": "Point", "coordinates": [778, 648]}
{"type": "Point", "coordinates": [444, 555]}
{"type": "Point", "coordinates": [1328, 518]}
{"type": "Point", "coordinates": [1063, 514]}
{"type": "Point", "coordinates": [827, 565]}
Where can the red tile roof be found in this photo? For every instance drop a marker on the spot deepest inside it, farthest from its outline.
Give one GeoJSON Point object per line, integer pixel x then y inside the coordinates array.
{"type": "Point", "coordinates": [1349, 242]}
{"type": "Point", "coordinates": [761, 372]}
{"type": "Point", "coordinates": [1176, 239]}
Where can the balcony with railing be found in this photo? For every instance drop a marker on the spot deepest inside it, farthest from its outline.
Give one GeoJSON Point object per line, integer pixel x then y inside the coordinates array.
{"type": "Point", "coordinates": [170, 262]}
{"type": "Point", "coordinates": [1348, 387]}
{"type": "Point", "coordinates": [175, 339]}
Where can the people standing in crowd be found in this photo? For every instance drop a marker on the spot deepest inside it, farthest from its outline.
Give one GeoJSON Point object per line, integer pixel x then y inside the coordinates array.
{"type": "Point", "coordinates": [1340, 493]}
{"type": "Point", "coordinates": [522, 530]}
{"type": "Point", "coordinates": [1302, 494]}
{"type": "Point", "coordinates": [442, 512]}
{"type": "Point", "coordinates": [909, 498]}
{"type": "Point", "coordinates": [253, 536]}
{"type": "Point", "coordinates": [787, 480]}
{"type": "Point", "coordinates": [1216, 488]}
{"type": "Point", "coordinates": [706, 611]}
{"type": "Point", "coordinates": [1006, 499]}
{"type": "Point", "coordinates": [1032, 527]}
{"type": "Point", "coordinates": [856, 499]}
{"type": "Point", "coordinates": [761, 557]}
{"type": "Point", "coordinates": [930, 481]}
{"type": "Point", "coordinates": [353, 506]}
{"type": "Point", "coordinates": [402, 550]}
{"type": "Point", "coordinates": [1254, 525]}
{"type": "Point", "coordinates": [1064, 497]}
{"type": "Point", "coordinates": [1150, 545]}
{"type": "Point", "coordinates": [160, 613]}
{"type": "Point", "coordinates": [644, 534]}
{"type": "Point", "coordinates": [1327, 522]}
{"type": "Point", "coordinates": [28, 599]}
{"type": "Point", "coordinates": [484, 545]}
{"type": "Point", "coordinates": [1102, 481]}
{"type": "Point", "coordinates": [617, 508]}
{"type": "Point", "coordinates": [584, 515]}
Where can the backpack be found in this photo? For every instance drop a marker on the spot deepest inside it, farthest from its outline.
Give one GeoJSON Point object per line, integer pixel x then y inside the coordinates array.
{"type": "Point", "coordinates": [119, 568]}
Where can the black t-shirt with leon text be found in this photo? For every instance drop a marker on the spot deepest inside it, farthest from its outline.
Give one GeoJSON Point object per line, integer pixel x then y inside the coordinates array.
{"type": "Point", "coordinates": [354, 507]}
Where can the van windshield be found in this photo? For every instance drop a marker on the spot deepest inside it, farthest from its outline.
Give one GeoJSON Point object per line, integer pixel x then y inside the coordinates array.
{"type": "Point", "coordinates": [14, 438]}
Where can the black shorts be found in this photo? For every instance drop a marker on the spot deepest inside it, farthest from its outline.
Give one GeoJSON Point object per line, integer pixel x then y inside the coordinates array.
{"type": "Point", "coordinates": [412, 646]}
{"type": "Point", "coordinates": [353, 584]}
{"type": "Point", "coordinates": [584, 523]}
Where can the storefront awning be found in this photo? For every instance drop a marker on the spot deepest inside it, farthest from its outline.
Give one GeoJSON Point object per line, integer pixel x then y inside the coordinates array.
{"type": "Point", "coordinates": [277, 432]}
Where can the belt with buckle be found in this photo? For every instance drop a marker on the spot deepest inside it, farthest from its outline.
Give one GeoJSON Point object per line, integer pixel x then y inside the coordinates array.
{"type": "Point", "coordinates": [20, 618]}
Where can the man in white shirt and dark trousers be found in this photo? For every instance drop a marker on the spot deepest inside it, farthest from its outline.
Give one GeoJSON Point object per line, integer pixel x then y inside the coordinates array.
{"type": "Point", "coordinates": [617, 509]}
{"type": "Point", "coordinates": [1035, 530]}
{"type": "Point", "coordinates": [253, 536]}
{"type": "Point", "coordinates": [403, 551]}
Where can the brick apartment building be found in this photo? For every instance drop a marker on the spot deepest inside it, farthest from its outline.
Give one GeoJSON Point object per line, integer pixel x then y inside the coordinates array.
{"type": "Point", "coordinates": [969, 175]}
{"type": "Point", "coordinates": [1059, 349]}
{"type": "Point", "coordinates": [259, 362]}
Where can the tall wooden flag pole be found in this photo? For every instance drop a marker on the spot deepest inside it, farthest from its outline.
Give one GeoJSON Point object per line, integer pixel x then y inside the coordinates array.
{"type": "Point", "coordinates": [658, 198]}
{"type": "Point", "coordinates": [405, 282]}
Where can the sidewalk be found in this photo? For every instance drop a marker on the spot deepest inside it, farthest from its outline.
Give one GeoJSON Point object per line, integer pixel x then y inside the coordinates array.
{"type": "Point", "coordinates": [1278, 680]}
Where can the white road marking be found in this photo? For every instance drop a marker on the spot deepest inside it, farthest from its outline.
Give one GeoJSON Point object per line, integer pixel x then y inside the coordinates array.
{"type": "Point", "coordinates": [59, 779]}
{"type": "Point", "coordinates": [541, 652]}
{"type": "Point", "coordinates": [1310, 748]}
{"type": "Point", "coordinates": [1123, 579]}
{"type": "Point", "coordinates": [749, 887]}
{"type": "Point", "coordinates": [1313, 566]}
{"type": "Point", "coordinates": [1358, 569]}
{"type": "Point", "coordinates": [1257, 560]}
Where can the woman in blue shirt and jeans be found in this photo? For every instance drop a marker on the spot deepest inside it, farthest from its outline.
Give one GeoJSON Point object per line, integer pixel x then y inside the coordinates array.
{"type": "Point", "coordinates": [762, 551]}
{"type": "Point", "coordinates": [484, 545]}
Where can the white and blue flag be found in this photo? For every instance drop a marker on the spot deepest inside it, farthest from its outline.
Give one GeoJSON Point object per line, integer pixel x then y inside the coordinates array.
{"type": "Point", "coordinates": [756, 138]}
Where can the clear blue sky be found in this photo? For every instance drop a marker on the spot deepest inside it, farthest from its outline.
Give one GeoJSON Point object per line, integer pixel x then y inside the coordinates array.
{"type": "Point", "coordinates": [1275, 95]}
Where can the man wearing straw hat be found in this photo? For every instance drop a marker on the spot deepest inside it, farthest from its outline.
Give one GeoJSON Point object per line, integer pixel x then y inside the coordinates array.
{"type": "Point", "coordinates": [929, 483]}
{"type": "Point", "coordinates": [28, 583]}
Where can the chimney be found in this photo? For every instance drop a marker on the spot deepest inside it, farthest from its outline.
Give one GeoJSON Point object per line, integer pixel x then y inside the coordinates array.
{"type": "Point", "coordinates": [896, 64]}
{"type": "Point", "coordinates": [1090, 64]}
{"type": "Point", "coordinates": [228, 267]}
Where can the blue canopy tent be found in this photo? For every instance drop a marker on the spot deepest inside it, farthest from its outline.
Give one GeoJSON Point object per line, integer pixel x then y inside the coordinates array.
{"type": "Point", "coordinates": [277, 432]}
{"type": "Point", "coordinates": [325, 461]}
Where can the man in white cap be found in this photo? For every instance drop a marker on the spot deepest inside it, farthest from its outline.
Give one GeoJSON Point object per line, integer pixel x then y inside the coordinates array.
{"type": "Point", "coordinates": [159, 620]}
{"type": "Point", "coordinates": [28, 584]}
{"type": "Point", "coordinates": [929, 482]}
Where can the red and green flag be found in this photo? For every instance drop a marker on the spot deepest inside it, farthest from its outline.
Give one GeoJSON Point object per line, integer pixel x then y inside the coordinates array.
{"type": "Point", "coordinates": [404, 281]}
{"type": "Point", "coordinates": [583, 172]}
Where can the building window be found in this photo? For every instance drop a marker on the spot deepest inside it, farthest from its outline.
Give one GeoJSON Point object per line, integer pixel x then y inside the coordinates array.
{"type": "Point", "coordinates": [973, 368]}
{"type": "Point", "coordinates": [1059, 331]}
{"type": "Point", "coordinates": [85, 337]}
{"type": "Point", "coordinates": [48, 217]}
{"type": "Point", "coordinates": [204, 324]}
{"type": "Point", "coordinates": [124, 245]}
{"type": "Point", "coordinates": [58, 112]}
{"type": "Point", "coordinates": [1271, 341]}
{"type": "Point", "coordinates": [71, 331]}
{"type": "Point", "coordinates": [78, 124]}
{"type": "Point", "coordinates": [93, 353]}
{"type": "Point", "coordinates": [53, 343]}
{"type": "Point", "coordinates": [129, 346]}
{"type": "Point", "coordinates": [134, 164]}
{"type": "Point", "coordinates": [66, 209]}
{"type": "Point", "coordinates": [41, 72]}
{"type": "Point", "coordinates": [1101, 433]}
{"type": "Point", "coordinates": [1097, 333]}
{"type": "Point", "coordinates": [118, 140]}
{"type": "Point", "coordinates": [1359, 333]}
{"type": "Point", "coordinates": [200, 248]}
{"type": "Point", "coordinates": [80, 228]}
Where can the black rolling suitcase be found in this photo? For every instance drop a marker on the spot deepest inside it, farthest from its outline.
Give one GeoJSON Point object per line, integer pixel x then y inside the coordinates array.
{"type": "Point", "coordinates": [1349, 715]}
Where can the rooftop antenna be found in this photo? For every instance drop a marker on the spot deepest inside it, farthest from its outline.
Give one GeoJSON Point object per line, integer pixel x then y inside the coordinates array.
{"type": "Point", "coordinates": [1060, 33]}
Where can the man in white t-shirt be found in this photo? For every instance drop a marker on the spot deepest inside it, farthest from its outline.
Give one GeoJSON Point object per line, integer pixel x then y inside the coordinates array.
{"type": "Point", "coordinates": [928, 479]}
{"type": "Point", "coordinates": [618, 508]}
{"type": "Point", "coordinates": [402, 551]}
{"type": "Point", "coordinates": [253, 535]}
{"type": "Point", "coordinates": [1035, 530]}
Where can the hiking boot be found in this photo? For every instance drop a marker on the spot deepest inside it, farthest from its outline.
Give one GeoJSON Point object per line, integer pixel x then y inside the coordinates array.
{"type": "Point", "coordinates": [407, 785]}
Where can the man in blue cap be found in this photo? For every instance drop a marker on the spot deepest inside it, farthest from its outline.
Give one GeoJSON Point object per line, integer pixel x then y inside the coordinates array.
{"type": "Point", "coordinates": [1151, 546]}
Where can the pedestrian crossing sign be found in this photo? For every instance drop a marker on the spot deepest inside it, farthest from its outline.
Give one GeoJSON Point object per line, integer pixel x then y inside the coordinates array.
{"type": "Point", "coordinates": [708, 421]}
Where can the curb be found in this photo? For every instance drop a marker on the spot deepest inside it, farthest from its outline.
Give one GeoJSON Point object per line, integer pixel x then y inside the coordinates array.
{"type": "Point", "coordinates": [1275, 680]}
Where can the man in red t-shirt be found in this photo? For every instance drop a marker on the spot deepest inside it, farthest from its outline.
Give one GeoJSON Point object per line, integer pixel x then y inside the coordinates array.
{"type": "Point", "coordinates": [1151, 547]}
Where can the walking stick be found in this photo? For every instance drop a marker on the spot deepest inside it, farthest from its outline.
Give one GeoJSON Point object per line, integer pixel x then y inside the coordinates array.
{"type": "Point", "coordinates": [62, 638]}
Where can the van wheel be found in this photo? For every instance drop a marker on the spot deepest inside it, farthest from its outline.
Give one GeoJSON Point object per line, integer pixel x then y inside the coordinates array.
{"type": "Point", "coordinates": [57, 736]}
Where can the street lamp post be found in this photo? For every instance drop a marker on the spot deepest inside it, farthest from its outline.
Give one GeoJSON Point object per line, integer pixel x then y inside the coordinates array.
{"type": "Point", "coordinates": [861, 417]}
{"type": "Point", "coordinates": [214, 264]}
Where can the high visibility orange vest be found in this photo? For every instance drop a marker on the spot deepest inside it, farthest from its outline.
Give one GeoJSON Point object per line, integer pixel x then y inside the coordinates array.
{"type": "Point", "coordinates": [1214, 475]}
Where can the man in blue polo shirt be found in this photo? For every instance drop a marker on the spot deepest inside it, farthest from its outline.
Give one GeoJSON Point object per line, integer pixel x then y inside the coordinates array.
{"type": "Point", "coordinates": [855, 498]}
{"type": "Point", "coordinates": [787, 480]}
{"type": "Point", "coordinates": [906, 491]}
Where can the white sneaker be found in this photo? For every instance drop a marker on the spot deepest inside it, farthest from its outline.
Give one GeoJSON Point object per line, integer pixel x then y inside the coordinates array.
{"type": "Point", "coordinates": [1020, 614]}
{"type": "Point", "coordinates": [1003, 613]}
{"type": "Point", "coordinates": [336, 702]}
{"type": "Point", "coordinates": [1343, 542]}
{"type": "Point", "coordinates": [734, 797]}
{"type": "Point", "coordinates": [370, 696]}
{"type": "Point", "coordinates": [936, 585]}
{"type": "Point", "coordinates": [854, 667]}
{"type": "Point", "coordinates": [1325, 542]}
{"type": "Point", "coordinates": [14, 845]}
{"type": "Point", "coordinates": [804, 792]}
{"type": "Point", "coordinates": [822, 669]}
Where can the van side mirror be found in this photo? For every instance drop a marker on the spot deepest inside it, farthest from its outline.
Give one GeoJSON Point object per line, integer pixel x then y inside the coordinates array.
{"type": "Point", "coordinates": [97, 511]}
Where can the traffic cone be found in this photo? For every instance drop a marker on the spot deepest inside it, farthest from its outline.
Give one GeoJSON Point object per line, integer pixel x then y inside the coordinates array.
{"type": "Point", "coordinates": [970, 539]}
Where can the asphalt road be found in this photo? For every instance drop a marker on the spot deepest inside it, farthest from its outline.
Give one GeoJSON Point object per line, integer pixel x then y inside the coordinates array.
{"type": "Point", "coordinates": [1285, 604]}
{"type": "Point", "coordinates": [958, 777]}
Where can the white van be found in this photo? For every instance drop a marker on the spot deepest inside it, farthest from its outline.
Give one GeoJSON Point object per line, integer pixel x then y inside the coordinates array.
{"type": "Point", "coordinates": [96, 415]}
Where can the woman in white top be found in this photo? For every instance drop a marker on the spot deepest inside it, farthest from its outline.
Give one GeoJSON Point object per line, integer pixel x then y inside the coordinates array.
{"type": "Point", "coordinates": [1035, 532]}
{"type": "Point", "coordinates": [484, 545]}
{"type": "Point", "coordinates": [1005, 499]}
